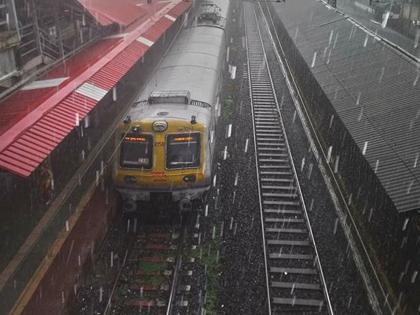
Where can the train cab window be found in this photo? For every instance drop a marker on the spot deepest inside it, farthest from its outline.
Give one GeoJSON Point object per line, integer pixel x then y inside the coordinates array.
{"type": "Point", "coordinates": [137, 151]}
{"type": "Point", "coordinates": [183, 151]}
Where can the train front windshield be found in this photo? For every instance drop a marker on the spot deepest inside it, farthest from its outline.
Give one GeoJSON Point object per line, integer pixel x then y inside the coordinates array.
{"type": "Point", "coordinates": [183, 151]}
{"type": "Point", "coordinates": [136, 151]}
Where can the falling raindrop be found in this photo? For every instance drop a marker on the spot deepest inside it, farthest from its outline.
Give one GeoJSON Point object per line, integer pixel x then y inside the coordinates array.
{"type": "Point", "coordinates": [337, 160]}
{"type": "Point", "coordinates": [401, 277]}
{"type": "Point", "coordinates": [312, 204]}
{"type": "Point", "coordinates": [227, 53]}
{"type": "Point", "coordinates": [331, 37]}
{"type": "Point", "coordinates": [410, 185]}
{"type": "Point", "coordinates": [296, 33]}
{"type": "Point", "coordinates": [102, 168]}
{"type": "Point", "coordinates": [366, 40]}
{"type": "Point", "coordinates": [229, 131]}
{"type": "Point", "coordinates": [382, 74]}
{"type": "Point", "coordinates": [335, 40]}
{"type": "Point", "coordinates": [403, 242]}
{"type": "Point", "coordinates": [358, 98]}
{"type": "Point", "coordinates": [313, 59]}
{"type": "Point", "coordinates": [370, 214]}
{"type": "Point", "coordinates": [376, 166]}
{"type": "Point", "coordinates": [335, 226]}
{"type": "Point", "coordinates": [310, 170]}
{"type": "Point", "coordinates": [324, 54]}
{"type": "Point", "coordinates": [101, 293]}
{"type": "Point", "coordinates": [225, 153]}
{"type": "Point", "coordinates": [385, 19]}
{"type": "Point", "coordinates": [77, 119]}
{"type": "Point", "coordinates": [329, 154]}
{"type": "Point", "coordinates": [365, 147]}
{"type": "Point", "coordinates": [329, 57]}
{"type": "Point", "coordinates": [331, 121]}
{"type": "Point", "coordinates": [351, 32]}
{"type": "Point", "coordinates": [414, 276]}
{"type": "Point", "coordinates": [303, 164]}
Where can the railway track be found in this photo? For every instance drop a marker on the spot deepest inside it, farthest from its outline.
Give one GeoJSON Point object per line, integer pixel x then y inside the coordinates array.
{"type": "Point", "coordinates": [147, 278]}
{"type": "Point", "coordinates": [295, 281]}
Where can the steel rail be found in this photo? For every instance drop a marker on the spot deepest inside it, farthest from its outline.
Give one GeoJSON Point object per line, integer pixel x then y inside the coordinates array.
{"type": "Point", "coordinates": [114, 286]}
{"type": "Point", "coordinates": [177, 269]}
{"type": "Point", "coordinates": [267, 279]}
{"type": "Point", "coordinates": [303, 203]}
{"type": "Point", "coordinates": [339, 199]}
{"type": "Point", "coordinates": [278, 194]}
{"type": "Point", "coordinates": [174, 285]}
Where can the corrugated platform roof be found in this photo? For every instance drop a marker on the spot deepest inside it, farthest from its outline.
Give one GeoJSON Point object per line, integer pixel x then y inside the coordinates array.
{"type": "Point", "coordinates": [27, 143]}
{"type": "Point", "coordinates": [374, 88]}
{"type": "Point", "coordinates": [122, 12]}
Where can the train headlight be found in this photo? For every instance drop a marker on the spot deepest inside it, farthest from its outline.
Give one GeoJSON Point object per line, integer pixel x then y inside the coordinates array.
{"type": "Point", "coordinates": [159, 125]}
{"type": "Point", "coordinates": [189, 178]}
{"type": "Point", "coordinates": [130, 179]}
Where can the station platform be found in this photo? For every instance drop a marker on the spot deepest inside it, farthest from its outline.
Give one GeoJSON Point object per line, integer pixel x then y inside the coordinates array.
{"type": "Point", "coordinates": [61, 125]}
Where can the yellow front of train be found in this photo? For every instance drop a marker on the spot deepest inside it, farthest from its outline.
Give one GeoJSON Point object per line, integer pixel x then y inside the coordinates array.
{"type": "Point", "coordinates": [162, 159]}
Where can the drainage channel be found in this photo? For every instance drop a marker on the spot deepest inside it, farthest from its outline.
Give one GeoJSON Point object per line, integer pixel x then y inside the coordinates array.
{"type": "Point", "coordinates": [295, 281]}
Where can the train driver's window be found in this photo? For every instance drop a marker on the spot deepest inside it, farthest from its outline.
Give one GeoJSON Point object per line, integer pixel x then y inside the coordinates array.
{"type": "Point", "coordinates": [136, 151]}
{"type": "Point", "coordinates": [183, 150]}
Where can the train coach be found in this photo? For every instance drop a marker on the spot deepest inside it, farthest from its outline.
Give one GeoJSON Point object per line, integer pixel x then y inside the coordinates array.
{"type": "Point", "coordinates": [167, 140]}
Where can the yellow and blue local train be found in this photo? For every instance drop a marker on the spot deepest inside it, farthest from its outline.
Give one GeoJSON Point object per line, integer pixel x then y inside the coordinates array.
{"type": "Point", "coordinates": [167, 139]}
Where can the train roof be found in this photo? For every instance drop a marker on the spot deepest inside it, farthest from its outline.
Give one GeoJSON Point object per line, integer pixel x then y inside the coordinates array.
{"type": "Point", "coordinates": [169, 112]}
{"type": "Point", "coordinates": [192, 64]}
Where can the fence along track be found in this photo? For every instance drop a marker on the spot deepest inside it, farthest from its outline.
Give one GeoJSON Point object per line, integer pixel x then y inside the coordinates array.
{"type": "Point", "coordinates": [294, 276]}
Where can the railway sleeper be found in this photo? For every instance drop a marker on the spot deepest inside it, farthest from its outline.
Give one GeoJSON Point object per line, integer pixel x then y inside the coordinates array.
{"type": "Point", "coordinates": [298, 302]}
{"type": "Point", "coordinates": [291, 187]}
{"type": "Point", "coordinates": [289, 270]}
{"type": "Point", "coordinates": [292, 256]}
{"type": "Point", "coordinates": [286, 230]}
{"type": "Point", "coordinates": [281, 203]}
{"type": "Point", "coordinates": [295, 278]}
{"type": "Point", "coordinates": [284, 220]}
{"type": "Point", "coordinates": [295, 285]}
{"type": "Point", "coordinates": [273, 155]}
{"type": "Point", "coordinates": [267, 179]}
